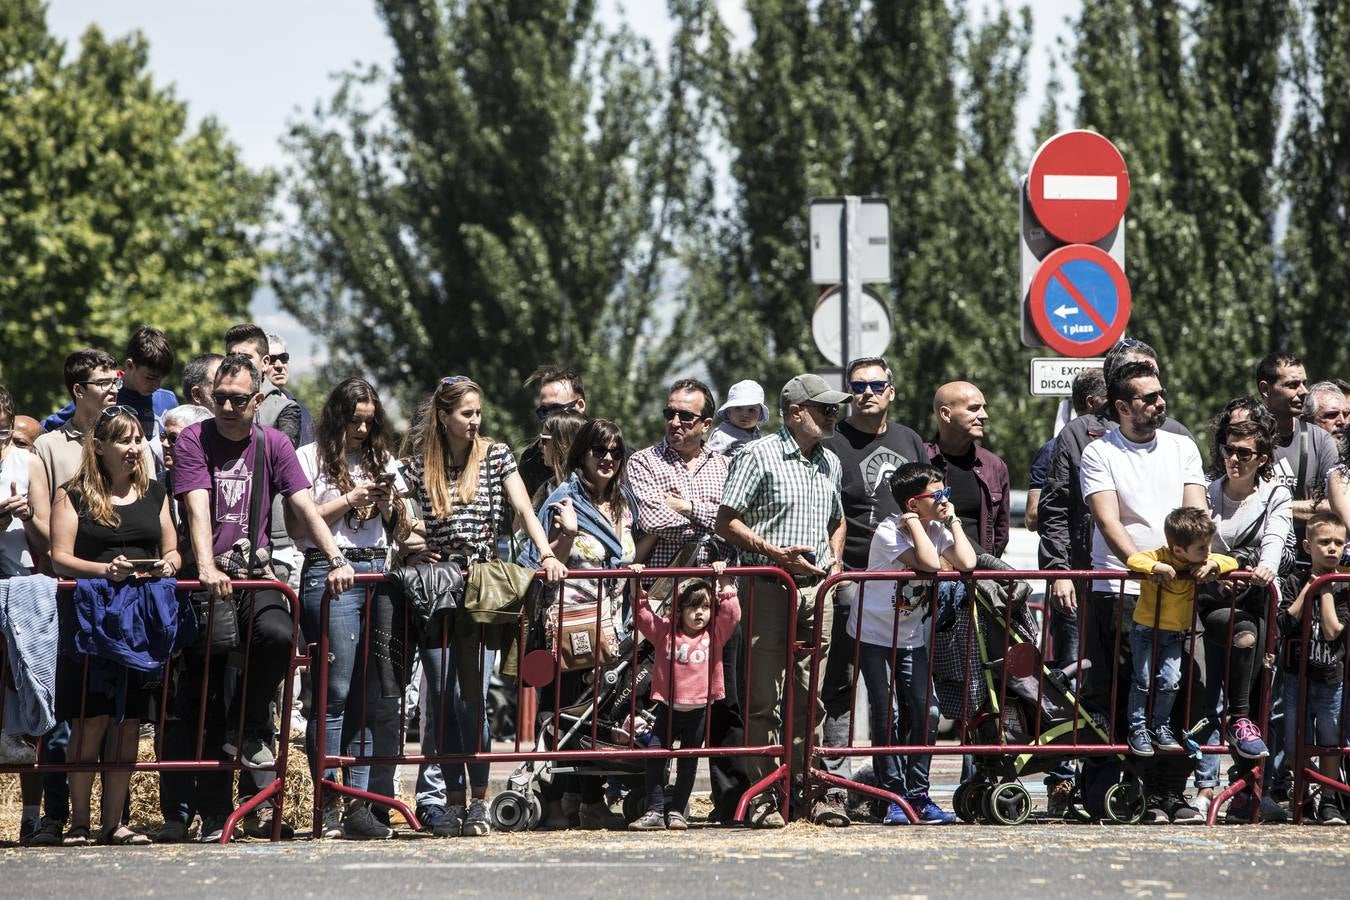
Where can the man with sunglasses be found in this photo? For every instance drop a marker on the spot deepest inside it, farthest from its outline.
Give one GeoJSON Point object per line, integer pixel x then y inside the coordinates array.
{"type": "Point", "coordinates": [869, 449]}
{"type": "Point", "coordinates": [782, 508]}
{"type": "Point", "coordinates": [1132, 479]}
{"type": "Point", "coordinates": [214, 475]}
{"type": "Point", "coordinates": [560, 390]}
{"type": "Point", "coordinates": [279, 375]}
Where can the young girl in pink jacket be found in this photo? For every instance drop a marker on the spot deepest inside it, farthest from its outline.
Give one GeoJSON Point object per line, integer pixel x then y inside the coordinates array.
{"type": "Point", "coordinates": [686, 679]}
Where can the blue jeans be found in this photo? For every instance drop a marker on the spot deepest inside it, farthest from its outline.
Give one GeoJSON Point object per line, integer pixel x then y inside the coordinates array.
{"type": "Point", "coordinates": [1170, 645]}
{"type": "Point", "coordinates": [912, 713]}
{"type": "Point", "coordinates": [450, 716]}
{"type": "Point", "coordinates": [1322, 724]}
{"type": "Point", "coordinates": [353, 687]}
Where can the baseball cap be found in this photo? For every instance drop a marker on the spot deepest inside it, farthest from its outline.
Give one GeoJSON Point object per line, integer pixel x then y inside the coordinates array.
{"type": "Point", "coordinates": [811, 388]}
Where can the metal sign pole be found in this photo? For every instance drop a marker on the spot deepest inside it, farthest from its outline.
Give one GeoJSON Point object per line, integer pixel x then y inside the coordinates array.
{"type": "Point", "coordinates": [851, 312]}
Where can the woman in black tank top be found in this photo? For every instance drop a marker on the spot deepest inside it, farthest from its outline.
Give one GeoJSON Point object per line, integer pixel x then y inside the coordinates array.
{"type": "Point", "coordinates": [109, 521]}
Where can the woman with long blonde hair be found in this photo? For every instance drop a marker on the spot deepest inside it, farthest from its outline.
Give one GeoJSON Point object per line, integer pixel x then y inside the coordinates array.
{"type": "Point", "coordinates": [109, 521]}
{"type": "Point", "coordinates": [467, 487]}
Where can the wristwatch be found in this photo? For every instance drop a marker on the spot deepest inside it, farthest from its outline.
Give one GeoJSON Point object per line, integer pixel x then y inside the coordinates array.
{"type": "Point", "coordinates": [338, 561]}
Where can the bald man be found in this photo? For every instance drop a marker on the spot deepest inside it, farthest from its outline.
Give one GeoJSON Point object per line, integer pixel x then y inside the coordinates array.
{"type": "Point", "coordinates": [26, 431]}
{"type": "Point", "coordinates": [978, 478]}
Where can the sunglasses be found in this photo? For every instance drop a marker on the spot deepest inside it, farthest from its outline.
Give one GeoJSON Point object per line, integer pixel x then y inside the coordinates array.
{"type": "Point", "coordinates": [104, 383]}
{"type": "Point", "coordinates": [1152, 397]}
{"type": "Point", "coordinates": [939, 496]}
{"type": "Point", "coordinates": [449, 380]}
{"type": "Point", "coordinates": [168, 438]}
{"type": "Point", "coordinates": [685, 416]}
{"type": "Point", "coordinates": [544, 410]}
{"type": "Point", "coordinates": [283, 358]}
{"type": "Point", "coordinates": [1241, 454]}
{"type": "Point", "coordinates": [6, 433]}
{"type": "Point", "coordinates": [614, 453]}
{"type": "Point", "coordinates": [829, 410]}
{"type": "Point", "coordinates": [118, 408]}
{"type": "Point", "coordinates": [237, 401]}
{"type": "Point", "coordinates": [862, 387]}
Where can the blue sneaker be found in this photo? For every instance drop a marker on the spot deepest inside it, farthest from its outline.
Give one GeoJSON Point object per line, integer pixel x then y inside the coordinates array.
{"type": "Point", "coordinates": [929, 812]}
{"type": "Point", "coordinates": [1245, 739]}
{"type": "Point", "coordinates": [895, 815]}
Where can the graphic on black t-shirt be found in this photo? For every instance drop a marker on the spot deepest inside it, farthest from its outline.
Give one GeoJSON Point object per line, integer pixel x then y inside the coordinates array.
{"type": "Point", "coordinates": [876, 469]}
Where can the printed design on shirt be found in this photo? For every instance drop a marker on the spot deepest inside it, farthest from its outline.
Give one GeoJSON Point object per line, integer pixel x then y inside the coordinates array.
{"type": "Point", "coordinates": [232, 486]}
{"type": "Point", "coordinates": [876, 469]}
{"type": "Point", "coordinates": [689, 651]}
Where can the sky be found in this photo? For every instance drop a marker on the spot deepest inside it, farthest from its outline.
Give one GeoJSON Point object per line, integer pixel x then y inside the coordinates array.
{"type": "Point", "coordinates": [255, 65]}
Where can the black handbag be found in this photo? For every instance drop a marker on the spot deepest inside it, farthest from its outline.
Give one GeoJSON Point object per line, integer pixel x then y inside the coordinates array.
{"type": "Point", "coordinates": [218, 618]}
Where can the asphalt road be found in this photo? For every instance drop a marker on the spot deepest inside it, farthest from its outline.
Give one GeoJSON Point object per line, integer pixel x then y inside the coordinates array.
{"type": "Point", "coordinates": [1033, 861]}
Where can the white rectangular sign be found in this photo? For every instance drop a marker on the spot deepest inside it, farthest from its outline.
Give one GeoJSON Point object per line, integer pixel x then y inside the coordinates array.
{"type": "Point", "coordinates": [1080, 187]}
{"type": "Point", "coordinates": [1053, 376]}
{"type": "Point", "coordinates": [872, 248]}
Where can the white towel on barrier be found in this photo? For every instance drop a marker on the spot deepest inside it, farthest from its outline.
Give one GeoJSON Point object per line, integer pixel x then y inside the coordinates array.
{"type": "Point", "coordinates": [29, 620]}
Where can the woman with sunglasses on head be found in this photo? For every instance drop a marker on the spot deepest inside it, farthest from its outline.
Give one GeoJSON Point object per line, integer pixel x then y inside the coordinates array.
{"type": "Point", "coordinates": [1253, 513]}
{"type": "Point", "coordinates": [589, 518]}
{"type": "Point", "coordinates": [555, 438]}
{"type": "Point", "coordinates": [357, 488]}
{"type": "Point", "coordinates": [110, 521]}
{"type": "Point", "coordinates": [466, 486]}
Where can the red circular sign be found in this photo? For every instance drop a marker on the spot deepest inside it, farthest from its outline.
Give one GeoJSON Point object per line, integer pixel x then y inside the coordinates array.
{"type": "Point", "coordinates": [1079, 186]}
{"type": "Point", "coordinates": [1080, 301]}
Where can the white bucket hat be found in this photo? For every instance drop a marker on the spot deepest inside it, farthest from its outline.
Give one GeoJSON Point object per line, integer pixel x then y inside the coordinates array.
{"type": "Point", "coordinates": [746, 393]}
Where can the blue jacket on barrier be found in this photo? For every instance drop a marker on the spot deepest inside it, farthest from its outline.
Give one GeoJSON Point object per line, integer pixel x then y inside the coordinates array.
{"type": "Point", "coordinates": [137, 623]}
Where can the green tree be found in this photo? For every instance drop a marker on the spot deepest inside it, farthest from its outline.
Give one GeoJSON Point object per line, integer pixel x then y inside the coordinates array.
{"type": "Point", "coordinates": [1316, 179]}
{"type": "Point", "coordinates": [514, 192]}
{"type": "Point", "coordinates": [113, 213]}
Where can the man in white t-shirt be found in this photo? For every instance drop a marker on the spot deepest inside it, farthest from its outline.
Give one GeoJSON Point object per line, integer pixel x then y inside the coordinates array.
{"type": "Point", "coordinates": [1131, 479]}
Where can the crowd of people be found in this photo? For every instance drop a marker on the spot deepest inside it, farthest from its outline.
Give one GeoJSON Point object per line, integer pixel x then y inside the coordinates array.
{"type": "Point", "coordinates": [125, 489]}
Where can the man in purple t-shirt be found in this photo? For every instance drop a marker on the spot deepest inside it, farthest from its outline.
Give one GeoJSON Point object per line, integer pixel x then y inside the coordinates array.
{"type": "Point", "coordinates": [213, 473]}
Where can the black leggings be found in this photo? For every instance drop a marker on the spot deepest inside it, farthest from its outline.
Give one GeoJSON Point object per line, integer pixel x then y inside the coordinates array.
{"type": "Point", "coordinates": [686, 727]}
{"type": "Point", "coordinates": [1222, 656]}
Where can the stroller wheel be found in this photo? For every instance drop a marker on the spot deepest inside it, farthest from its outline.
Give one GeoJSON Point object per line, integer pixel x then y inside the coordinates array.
{"type": "Point", "coordinates": [1125, 803]}
{"type": "Point", "coordinates": [961, 804]}
{"type": "Point", "coordinates": [978, 801]}
{"type": "Point", "coordinates": [510, 811]}
{"type": "Point", "coordinates": [1007, 803]}
{"type": "Point", "coordinates": [536, 810]}
{"type": "Point", "coordinates": [634, 804]}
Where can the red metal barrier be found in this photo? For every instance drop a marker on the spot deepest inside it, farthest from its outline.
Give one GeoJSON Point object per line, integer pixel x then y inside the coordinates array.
{"type": "Point", "coordinates": [202, 760]}
{"type": "Point", "coordinates": [1304, 747]}
{"type": "Point", "coordinates": [619, 744]}
{"type": "Point", "coordinates": [996, 654]}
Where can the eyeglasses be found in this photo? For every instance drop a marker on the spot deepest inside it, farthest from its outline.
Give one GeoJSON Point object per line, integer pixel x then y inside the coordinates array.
{"type": "Point", "coordinates": [862, 387]}
{"type": "Point", "coordinates": [685, 416]}
{"type": "Point", "coordinates": [119, 408]}
{"type": "Point", "coordinates": [168, 438]}
{"type": "Point", "coordinates": [283, 358]}
{"type": "Point", "coordinates": [829, 410]}
{"type": "Point", "coordinates": [544, 410]}
{"type": "Point", "coordinates": [237, 401]}
{"type": "Point", "coordinates": [104, 383]}
{"type": "Point", "coordinates": [607, 453]}
{"type": "Point", "coordinates": [1152, 397]}
{"type": "Point", "coordinates": [939, 496]}
{"type": "Point", "coordinates": [1241, 454]}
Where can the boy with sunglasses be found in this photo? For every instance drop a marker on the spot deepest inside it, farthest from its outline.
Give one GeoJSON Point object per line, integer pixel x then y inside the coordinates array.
{"type": "Point", "coordinates": [891, 622]}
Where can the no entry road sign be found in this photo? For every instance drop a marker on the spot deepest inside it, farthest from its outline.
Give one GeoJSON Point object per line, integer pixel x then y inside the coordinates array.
{"type": "Point", "coordinates": [1078, 186]}
{"type": "Point", "coordinates": [1080, 300]}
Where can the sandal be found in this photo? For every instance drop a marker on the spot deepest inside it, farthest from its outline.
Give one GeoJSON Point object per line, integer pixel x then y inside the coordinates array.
{"type": "Point", "coordinates": [77, 836]}
{"type": "Point", "coordinates": [110, 837]}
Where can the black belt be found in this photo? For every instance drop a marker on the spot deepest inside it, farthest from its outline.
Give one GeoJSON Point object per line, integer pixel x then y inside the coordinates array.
{"type": "Point", "coordinates": [805, 581]}
{"type": "Point", "coordinates": [353, 554]}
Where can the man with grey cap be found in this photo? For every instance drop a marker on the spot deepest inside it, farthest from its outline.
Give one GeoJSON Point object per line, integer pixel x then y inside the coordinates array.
{"type": "Point", "coordinates": [782, 507]}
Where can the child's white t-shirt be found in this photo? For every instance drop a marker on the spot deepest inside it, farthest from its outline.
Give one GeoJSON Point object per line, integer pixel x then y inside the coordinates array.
{"type": "Point", "coordinates": [874, 613]}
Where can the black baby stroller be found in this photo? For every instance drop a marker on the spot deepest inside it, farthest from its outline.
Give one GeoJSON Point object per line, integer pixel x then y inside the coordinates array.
{"type": "Point", "coordinates": [992, 652]}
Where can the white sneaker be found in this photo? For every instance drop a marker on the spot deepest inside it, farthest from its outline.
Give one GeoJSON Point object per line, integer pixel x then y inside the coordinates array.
{"type": "Point", "coordinates": [1202, 802]}
{"type": "Point", "coordinates": [15, 751]}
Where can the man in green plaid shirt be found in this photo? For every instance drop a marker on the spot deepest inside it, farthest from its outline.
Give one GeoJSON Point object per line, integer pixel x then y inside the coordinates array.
{"type": "Point", "coordinates": [782, 507]}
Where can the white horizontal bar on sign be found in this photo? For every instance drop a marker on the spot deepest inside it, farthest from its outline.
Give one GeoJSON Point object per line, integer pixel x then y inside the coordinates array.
{"type": "Point", "coordinates": [1079, 187]}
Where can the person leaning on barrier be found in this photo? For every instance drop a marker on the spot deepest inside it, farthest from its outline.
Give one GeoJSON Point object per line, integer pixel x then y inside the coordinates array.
{"type": "Point", "coordinates": [214, 472]}
{"type": "Point", "coordinates": [1131, 479]}
{"type": "Point", "coordinates": [869, 449]}
{"type": "Point", "coordinates": [358, 490]}
{"type": "Point", "coordinates": [466, 486]}
{"type": "Point", "coordinates": [782, 508]}
{"type": "Point", "coordinates": [111, 521]}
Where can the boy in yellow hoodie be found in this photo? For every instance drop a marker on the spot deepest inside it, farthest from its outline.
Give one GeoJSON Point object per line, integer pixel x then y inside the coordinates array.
{"type": "Point", "coordinates": [1162, 616]}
